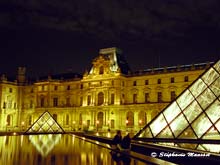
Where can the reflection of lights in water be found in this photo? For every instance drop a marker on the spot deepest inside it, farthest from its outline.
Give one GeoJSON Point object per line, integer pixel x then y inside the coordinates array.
{"type": "Point", "coordinates": [44, 143]}
{"type": "Point", "coordinates": [22, 137]}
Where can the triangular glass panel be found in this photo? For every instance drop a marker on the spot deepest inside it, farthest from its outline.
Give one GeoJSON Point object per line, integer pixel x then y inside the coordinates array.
{"type": "Point", "coordinates": [206, 98]}
{"type": "Point", "coordinates": [166, 133]}
{"type": "Point", "coordinates": [188, 145]}
{"type": "Point", "coordinates": [212, 113]}
{"type": "Point", "coordinates": [201, 125]}
{"type": "Point", "coordinates": [45, 124]}
{"type": "Point", "coordinates": [185, 99]}
{"type": "Point", "coordinates": [217, 66]}
{"type": "Point", "coordinates": [212, 134]}
{"type": "Point", "coordinates": [178, 125]}
{"type": "Point", "coordinates": [198, 87]}
{"type": "Point", "coordinates": [209, 147]}
{"type": "Point", "coordinates": [215, 87]}
{"type": "Point", "coordinates": [192, 111]}
{"type": "Point", "coordinates": [187, 134]}
{"type": "Point", "coordinates": [146, 133]}
{"type": "Point", "coordinates": [171, 112]}
{"type": "Point", "coordinates": [210, 76]}
{"type": "Point", "coordinates": [217, 125]}
{"type": "Point", "coordinates": [158, 125]}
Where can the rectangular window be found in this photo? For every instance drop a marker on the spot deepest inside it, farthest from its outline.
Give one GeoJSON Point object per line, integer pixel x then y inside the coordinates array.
{"type": "Point", "coordinates": [172, 95]}
{"type": "Point", "coordinates": [134, 83]}
{"type": "Point", "coordinates": [68, 87]}
{"type": "Point", "coordinates": [112, 98]}
{"type": "Point", "coordinates": [31, 104]}
{"type": "Point", "coordinates": [146, 82]}
{"type": "Point", "coordinates": [134, 98]}
{"type": "Point", "coordinates": [146, 97]}
{"type": "Point", "coordinates": [186, 78]}
{"type": "Point", "coordinates": [15, 105]}
{"type": "Point", "coordinates": [55, 102]}
{"type": "Point", "coordinates": [55, 88]}
{"type": "Point", "coordinates": [68, 101]}
{"type": "Point", "coordinates": [10, 90]}
{"type": "Point", "coordinates": [112, 82]}
{"type": "Point", "coordinates": [42, 102]}
{"type": "Point", "coordinates": [89, 100]}
{"type": "Point", "coordinates": [81, 101]}
{"type": "Point", "coordinates": [4, 105]}
{"type": "Point", "coordinates": [81, 86]}
{"type": "Point", "coordinates": [172, 79]}
{"type": "Point", "coordinates": [159, 81]}
{"type": "Point", "coordinates": [159, 97]}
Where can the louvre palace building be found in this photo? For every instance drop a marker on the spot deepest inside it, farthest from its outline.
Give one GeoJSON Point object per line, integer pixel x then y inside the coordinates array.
{"type": "Point", "coordinates": [109, 96]}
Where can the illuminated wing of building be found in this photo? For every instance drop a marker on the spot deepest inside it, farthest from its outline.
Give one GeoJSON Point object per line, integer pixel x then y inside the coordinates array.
{"type": "Point", "coordinates": [195, 114]}
{"type": "Point", "coordinates": [44, 143]}
{"type": "Point", "coordinates": [45, 124]}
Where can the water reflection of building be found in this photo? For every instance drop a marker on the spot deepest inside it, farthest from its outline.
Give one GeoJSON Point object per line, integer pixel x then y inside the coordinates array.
{"type": "Point", "coordinates": [109, 95]}
{"type": "Point", "coordinates": [67, 150]}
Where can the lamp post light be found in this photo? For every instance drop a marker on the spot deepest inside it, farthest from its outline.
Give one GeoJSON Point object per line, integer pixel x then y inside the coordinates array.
{"type": "Point", "coordinates": [22, 124]}
{"type": "Point", "coordinates": [74, 125]}
{"type": "Point", "coordinates": [126, 125]}
{"type": "Point", "coordinates": [140, 123]}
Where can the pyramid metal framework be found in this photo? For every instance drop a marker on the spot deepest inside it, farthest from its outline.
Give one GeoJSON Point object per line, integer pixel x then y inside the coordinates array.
{"type": "Point", "coordinates": [195, 114]}
{"type": "Point", "coordinates": [45, 124]}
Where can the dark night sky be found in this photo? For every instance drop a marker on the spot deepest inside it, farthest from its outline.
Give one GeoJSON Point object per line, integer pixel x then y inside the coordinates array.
{"type": "Point", "coordinates": [62, 35]}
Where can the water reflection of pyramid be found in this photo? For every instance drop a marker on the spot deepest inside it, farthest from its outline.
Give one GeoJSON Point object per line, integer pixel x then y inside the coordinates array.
{"type": "Point", "coordinates": [45, 124]}
{"type": "Point", "coordinates": [44, 143]}
{"type": "Point", "coordinates": [195, 114]}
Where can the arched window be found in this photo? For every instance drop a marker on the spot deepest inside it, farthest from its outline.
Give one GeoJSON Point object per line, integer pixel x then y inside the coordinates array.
{"type": "Point", "coordinates": [101, 70]}
{"type": "Point", "coordinates": [142, 120]}
{"type": "Point", "coordinates": [67, 119]}
{"type": "Point", "coordinates": [55, 117]}
{"type": "Point", "coordinates": [100, 98]}
{"type": "Point", "coordinates": [99, 121]}
{"type": "Point", "coordinates": [130, 119]}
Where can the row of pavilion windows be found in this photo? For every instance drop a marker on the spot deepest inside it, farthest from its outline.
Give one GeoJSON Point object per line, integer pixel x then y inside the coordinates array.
{"type": "Point", "coordinates": [68, 87]}
{"type": "Point", "coordinates": [159, 81]}
{"type": "Point", "coordinates": [100, 100]}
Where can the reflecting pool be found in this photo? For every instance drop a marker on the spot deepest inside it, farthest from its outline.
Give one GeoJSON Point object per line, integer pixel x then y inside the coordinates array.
{"type": "Point", "coordinates": [54, 149]}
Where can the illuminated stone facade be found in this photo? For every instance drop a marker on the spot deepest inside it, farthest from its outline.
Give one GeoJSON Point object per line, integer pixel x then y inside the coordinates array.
{"type": "Point", "coordinates": [108, 96]}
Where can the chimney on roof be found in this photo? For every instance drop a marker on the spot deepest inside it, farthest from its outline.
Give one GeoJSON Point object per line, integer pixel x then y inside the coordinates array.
{"type": "Point", "coordinates": [21, 75]}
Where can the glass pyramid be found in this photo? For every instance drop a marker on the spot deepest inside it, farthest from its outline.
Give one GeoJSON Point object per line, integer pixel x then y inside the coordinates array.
{"type": "Point", "coordinates": [45, 124]}
{"type": "Point", "coordinates": [44, 143]}
{"type": "Point", "coordinates": [195, 114]}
